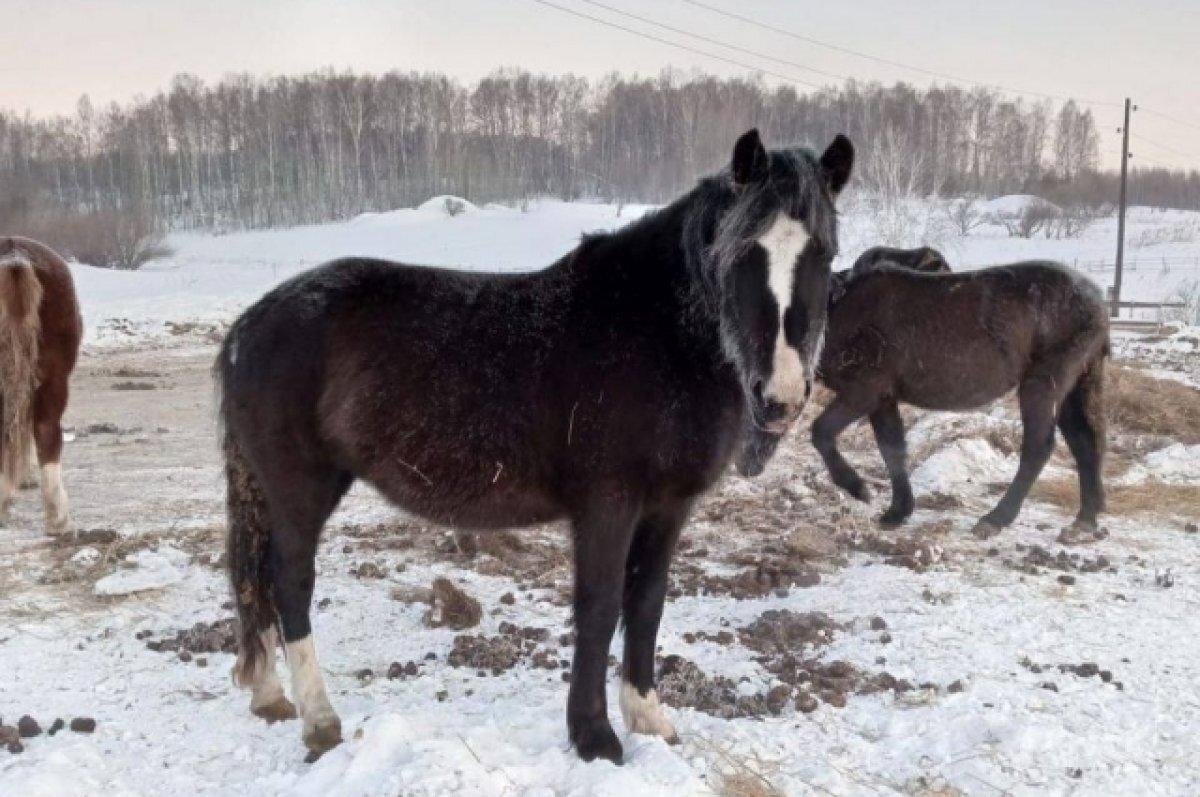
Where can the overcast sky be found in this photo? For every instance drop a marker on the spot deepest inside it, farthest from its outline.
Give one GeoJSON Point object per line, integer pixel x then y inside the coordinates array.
{"type": "Point", "coordinates": [55, 50]}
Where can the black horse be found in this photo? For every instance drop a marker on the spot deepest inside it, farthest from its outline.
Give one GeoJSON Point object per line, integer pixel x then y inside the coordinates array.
{"type": "Point", "coordinates": [945, 341]}
{"type": "Point", "coordinates": [610, 389]}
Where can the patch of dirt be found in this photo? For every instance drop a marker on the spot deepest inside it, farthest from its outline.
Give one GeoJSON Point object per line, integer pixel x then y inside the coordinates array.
{"type": "Point", "coordinates": [504, 651]}
{"type": "Point", "coordinates": [916, 551]}
{"type": "Point", "coordinates": [782, 631]}
{"type": "Point", "coordinates": [538, 557]}
{"type": "Point", "coordinates": [1034, 559]}
{"type": "Point", "coordinates": [1151, 496]}
{"type": "Point", "coordinates": [450, 607]}
{"type": "Point", "coordinates": [1140, 404]}
{"type": "Point", "coordinates": [134, 386]}
{"type": "Point", "coordinates": [202, 638]}
{"type": "Point", "coordinates": [939, 502]}
{"type": "Point", "coordinates": [682, 684]}
{"type": "Point", "coordinates": [775, 576]}
{"type": "Point", "coordinates": [1087, 669]}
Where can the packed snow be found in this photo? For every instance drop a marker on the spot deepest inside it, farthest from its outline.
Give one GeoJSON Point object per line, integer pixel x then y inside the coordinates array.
{"type": "Point", "coordinates": [983, 635]}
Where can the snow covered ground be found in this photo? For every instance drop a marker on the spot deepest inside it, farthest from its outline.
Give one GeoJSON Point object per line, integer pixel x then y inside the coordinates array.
{"type": "Point", "coordinates": [963, 667]}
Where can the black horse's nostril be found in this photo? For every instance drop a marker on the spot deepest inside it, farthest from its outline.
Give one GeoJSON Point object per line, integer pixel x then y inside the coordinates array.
{"type": "Point", "coordinates": [775, 411]}
{"type": "Point", "coordinates": [808, 385]}
{"type": "Point", "coordinates": [757, 391]}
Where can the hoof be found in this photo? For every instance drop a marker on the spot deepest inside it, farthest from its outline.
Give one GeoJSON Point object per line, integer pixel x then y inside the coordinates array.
{"type": "Point", "coordinates": [860, 491]}
{"type": "Point", "coordinates": [597, 740]}
{"type": "Point", "coordinates": [893, 518]}
{"type": "Point", "coordinates": [985, 530]}
{"type": "Point", "coordinates": [1081, 532]}
{"type": "Point", "coordinates": [320, 739]}
{"type": "Point", "coordinates": [58, 528]}
{"type": "Point", "coordinates": [282, 709]}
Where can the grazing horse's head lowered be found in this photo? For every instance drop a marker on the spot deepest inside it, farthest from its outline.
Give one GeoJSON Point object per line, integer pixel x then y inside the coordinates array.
{"type": "Point", "coordinates": [771, 255]}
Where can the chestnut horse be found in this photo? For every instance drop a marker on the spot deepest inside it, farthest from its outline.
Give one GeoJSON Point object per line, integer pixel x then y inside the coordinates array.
{"type": "Point", "coordinates": [610, 389]}
{"type": "Point", "coordinates": [41, 328]}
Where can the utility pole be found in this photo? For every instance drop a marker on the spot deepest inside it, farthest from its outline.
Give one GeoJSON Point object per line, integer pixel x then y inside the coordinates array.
{"type": "Point", "coordinates": [1116, 294]}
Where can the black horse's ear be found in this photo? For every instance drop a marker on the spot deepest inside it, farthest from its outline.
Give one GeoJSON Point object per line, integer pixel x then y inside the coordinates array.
{"type": "Point", "coordinates": [836, 163]}
{"type": "Point", "coordinates": [749, 160]}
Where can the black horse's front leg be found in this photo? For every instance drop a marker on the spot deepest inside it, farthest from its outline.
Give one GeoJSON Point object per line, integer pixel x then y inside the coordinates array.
{"type": "Point", "coordinates": [602, 535]}
{"type": "Point", "coordinates": [889, 436]}
{"type": "Point", "coordinates": [646, 571]}
{"type": "Point", "coordinates": [831, 423]}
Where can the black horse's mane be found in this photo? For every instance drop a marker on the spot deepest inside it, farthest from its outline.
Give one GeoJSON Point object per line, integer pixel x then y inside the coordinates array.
{"type": "Point", "coordinates": [714, 223]}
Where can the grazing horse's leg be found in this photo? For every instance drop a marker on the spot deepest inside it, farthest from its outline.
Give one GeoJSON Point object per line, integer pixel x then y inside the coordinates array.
{"type": "Point", "coordinates": [49, 403]}
{"type": "Point", "coordinates": [889, 436]}
{"type": "Point", "coordinates": [831, 423]}
{"type": "Point", "coordinates": [645, 590]}
{"type": "Point", "coordinates": [602, 535]}
{"type": "Point", "coordinates": [1039, 397]}
{"type": "Point", "coordinates": [1082, 424]}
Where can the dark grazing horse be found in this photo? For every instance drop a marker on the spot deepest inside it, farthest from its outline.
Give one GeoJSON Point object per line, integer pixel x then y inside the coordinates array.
{"type": "Point", "coordinates": [956, 342]}
{"type": "Point", "coordinates": [610, 389]}
{"type": "Point", "coordinates": [760, 444]}
{"type": "Point", "coordinates": [40, 332]}
{"type": "Point", "coordinates": [924, 259]}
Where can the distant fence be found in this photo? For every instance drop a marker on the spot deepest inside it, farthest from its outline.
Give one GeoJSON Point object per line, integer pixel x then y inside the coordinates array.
{"type": "Point", "coordinates": [1142, 264]}
{"type": "Point", "coordinates": [1141, 312]}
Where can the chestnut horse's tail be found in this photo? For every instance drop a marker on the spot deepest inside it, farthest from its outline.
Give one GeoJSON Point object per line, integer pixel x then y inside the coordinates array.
{"type": "Point", "coordinates": [246, 552]}
{"type": "Point", "coordinates": [20, 334]}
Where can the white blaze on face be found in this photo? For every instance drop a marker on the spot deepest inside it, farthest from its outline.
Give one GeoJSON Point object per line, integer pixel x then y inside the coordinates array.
{"type": "Point", "coordinates": [784, 242]}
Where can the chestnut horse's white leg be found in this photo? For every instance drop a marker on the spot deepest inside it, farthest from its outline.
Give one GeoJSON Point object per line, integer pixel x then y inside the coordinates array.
{"type": "Point", "coordinates": [29, 479]}
{"type": "Point", "coordinates": [322, 728]}
{"type": "Point", "coordinates": [54, 497]}
{"type": "Point", "coordinates": [8, 492]}
{"type": "Point", "coordinates": [266, 698]}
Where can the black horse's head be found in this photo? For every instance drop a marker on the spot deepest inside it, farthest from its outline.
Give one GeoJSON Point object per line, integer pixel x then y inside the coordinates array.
{"type": "Point", "coordinates": [772, 251]}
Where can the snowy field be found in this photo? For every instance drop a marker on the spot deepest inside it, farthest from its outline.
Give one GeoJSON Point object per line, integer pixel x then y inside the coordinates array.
{"type": "Point", "coordinates": [805, 651]}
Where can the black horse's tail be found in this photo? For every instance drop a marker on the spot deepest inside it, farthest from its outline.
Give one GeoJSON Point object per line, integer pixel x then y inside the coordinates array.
{"type": "Point", "coordinates": [248, 537]}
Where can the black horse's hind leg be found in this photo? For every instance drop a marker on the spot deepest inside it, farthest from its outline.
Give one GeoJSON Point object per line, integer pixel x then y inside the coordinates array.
{"type": "Point", "coordinates": [646, 570]}
{"type": "Point", "coordinates": [1038, 397]}
{"type": "Point", "coordinates": [1085, 437]}
{"type": "Point", "coordinates": [889, 436]}
{"type": "Point", "coordinates": [602, 535]}
{"type": "Point", "coordinates": [831, 423]}
{"type": "Point", "coordinates": [300, 497]}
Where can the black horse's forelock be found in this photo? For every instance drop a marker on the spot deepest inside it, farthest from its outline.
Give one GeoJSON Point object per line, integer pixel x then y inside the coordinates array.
{"type": "Point", "coordinates": [793, 187]}
{"type": "Point", "coordinates": [723, 223]}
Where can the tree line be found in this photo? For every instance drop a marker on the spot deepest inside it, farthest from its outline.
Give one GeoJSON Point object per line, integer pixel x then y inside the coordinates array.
{"type": "Point", "coordinates": [262, 152]}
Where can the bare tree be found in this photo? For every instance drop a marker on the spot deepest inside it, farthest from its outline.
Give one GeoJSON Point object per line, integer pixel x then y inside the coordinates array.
{"type": "Point", "coordinates": [964, 214]}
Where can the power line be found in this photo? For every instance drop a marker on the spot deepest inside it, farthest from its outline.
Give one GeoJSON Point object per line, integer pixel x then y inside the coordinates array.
{"type": "Point", "coordinates": [889, 62]}
{"type": "Point", "coordinates": [717, 42]}
{"type": "Point", "coordinates": [1170, 118]}
{"type": "Point", "coordinates": [676, 45]}
{"type": "Point", "coordinates": [1163, 147]}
